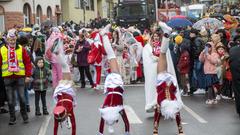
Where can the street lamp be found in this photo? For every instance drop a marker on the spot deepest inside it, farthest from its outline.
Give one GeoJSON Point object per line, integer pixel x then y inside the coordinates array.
{"type": "Point", "coordinates": [156, 9]}
{"type": "Point", "coordinates": [84, 3]}
{"type": "Point", "coordinates": [34, 12]}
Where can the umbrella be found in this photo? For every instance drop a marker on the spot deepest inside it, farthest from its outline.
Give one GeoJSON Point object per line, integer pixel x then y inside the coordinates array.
{"type": "Point", "coordinates": [231, 22]}
{"type": "Point", "coordinates": [230, 18]}
{"type": "Point", "coordinates": [208, 23]}
{"type": "Point", "coordinates": [179, 23]}
{"type": "Point", "coordinates": [27, 29]}
{"type": "Point", "coordinates": [179, 16]}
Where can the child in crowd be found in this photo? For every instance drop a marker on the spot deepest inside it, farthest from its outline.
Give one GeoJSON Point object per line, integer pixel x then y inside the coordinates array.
{"type": "Point", "coordinates": [40, 85]}
{"type": "Point", "coordinates": [184, 68]}
{"type": "Point", "coordinates": [226, 90]}
{"type": "Point", "coordinates": [210, 58]}
{"type": "Point", "coordinates": [126, 61]}
{"type": "Point", "coordinates": [221, 51]}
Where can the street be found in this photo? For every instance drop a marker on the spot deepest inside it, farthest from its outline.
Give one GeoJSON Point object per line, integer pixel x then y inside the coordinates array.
{"type": "Point", "coordinates": [197, 117]}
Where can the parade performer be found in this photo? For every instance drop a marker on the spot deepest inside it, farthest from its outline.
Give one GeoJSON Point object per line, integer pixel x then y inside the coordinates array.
{"type": "Point", "coordinates": [169, 100]}
{"type": "Point", "coordinates": [64, 94]}
{"type": "Point", "coordinates": [150, 56]}
{"type": "Point", "coordinates": [97, 48]}
{"type": "Point", "coordinates": [135, 51]}
{"type": "Point", "coordinates": [52, 58]}
{"type": "Point", "coordinates": [112, 107]}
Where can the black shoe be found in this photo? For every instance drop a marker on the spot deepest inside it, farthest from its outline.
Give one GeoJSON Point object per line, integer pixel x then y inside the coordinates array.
{"type": "Point", "coordinates": [25, 118]}
{"type": "Point", "coordinates": [133, 82]}
{"type": "Point", "coordinates": [83, 86]}
{"type": "Point", "coordinates": [3, 110]}
{"type": "Point", "coordinates": [12, 121]}
{"type": "Point", "coordinates": [45, 112]}
{"type": "Point", "coordinates": [28, 108]}
{"type": "Point", "coordinates": [38, 113]}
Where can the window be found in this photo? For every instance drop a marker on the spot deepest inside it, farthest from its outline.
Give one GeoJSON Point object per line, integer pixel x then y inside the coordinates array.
{"type": "Point", "coordinates": [27, 14]}
{"type": "Point", "coordinates": [39, 14]}
{"type": "Point", "coordinates": [2, 25]}
{"type": "Point", "coordinates": [89, 4]}
{"type": "Point", "coordinates": [79, 4]}
{"type": "Point", "coordinates": [49, 13]}
{"type": "Point", "coordinates": [92, 5]}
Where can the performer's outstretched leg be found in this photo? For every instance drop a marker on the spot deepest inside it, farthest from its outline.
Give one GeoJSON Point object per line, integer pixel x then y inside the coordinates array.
{"type": "Point", "coordinates": [125, 120]}
{"type": "Point", "coordinates": [101, 127]}
{"type": "Point", "coordinates": [72, 118]}
{"type": "Point", "coordinates": [108, 48]}
{"type": "Point", "coordinates": [55, 127]}
{"type": "Point", "coordinates": [157, 116]}
{"type": "Point", "coordinates": [179, 124]}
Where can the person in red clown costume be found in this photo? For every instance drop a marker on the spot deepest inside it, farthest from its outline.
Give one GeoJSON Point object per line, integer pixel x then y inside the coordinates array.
{"type": "Point", "coordinates": [97, 48]}
{"type": "Point", "coordinates": [169, 100]}
{"type": "Point", "coordinates": [112, 107]}
{"type": "Point", "coordinates": [64, 94]}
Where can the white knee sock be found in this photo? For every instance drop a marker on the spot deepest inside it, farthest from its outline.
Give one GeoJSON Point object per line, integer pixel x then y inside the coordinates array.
{"type": "Point", "coordinates": [108, 47]}
{"type": "Point", "coordinates": [64, 64]}
{"type": "Point", "coordinates": [165, 44]}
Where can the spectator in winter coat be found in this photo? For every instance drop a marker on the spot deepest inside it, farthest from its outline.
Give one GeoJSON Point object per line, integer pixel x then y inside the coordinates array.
{"type": "Point", "coordinates": [3, 96]}
{"type": "Point", "coordinates": [81, 49]}
{"type": "Point", "coordinates": [183, 68]}
{"type": "Point", "coordinates": [16, 71]}
{"type": "Point", "coordinates": [197, 46]}
{"type": "Point", "coordinates": [235, 70]}
{"type": "Point", "coordinates": [210, 58]}
{"type": "Point", "coordinates": [40, 85]}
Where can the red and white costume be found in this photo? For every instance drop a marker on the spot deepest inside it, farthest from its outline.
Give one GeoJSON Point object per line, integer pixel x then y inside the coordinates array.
{"type": "Point", "coordinates": [112, 107]}
{"type": "Point", "coordinates": [64, 96]}
{"type": "Point", "coordinates": [169, 99]}
{"type": "Point", "coordinates": [97, 43]}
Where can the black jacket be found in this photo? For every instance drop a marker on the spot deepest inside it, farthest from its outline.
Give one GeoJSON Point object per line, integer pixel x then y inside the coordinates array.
{"type": "Point", "coordinates": [40, 79]}
{"type": "Point", "coordinates": [197, 45]}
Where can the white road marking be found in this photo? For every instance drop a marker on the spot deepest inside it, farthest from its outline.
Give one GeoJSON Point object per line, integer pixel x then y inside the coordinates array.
{"type": "Point", "coordinates": [132, 116]}
{"type": "Point", "coordinates": [44, 126]}
{"type": "Point", "coordinates": [195, 115]}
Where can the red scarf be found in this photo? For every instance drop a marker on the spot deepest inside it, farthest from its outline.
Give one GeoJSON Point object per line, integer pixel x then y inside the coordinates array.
{"type": "Point", "coordinates": [12, 60]}
{"type": "Point", "coordinates": [156, 48]}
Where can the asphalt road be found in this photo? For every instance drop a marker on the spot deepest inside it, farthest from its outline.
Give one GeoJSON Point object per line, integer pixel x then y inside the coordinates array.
{"type": "Point", "coordinates": [197, 117]}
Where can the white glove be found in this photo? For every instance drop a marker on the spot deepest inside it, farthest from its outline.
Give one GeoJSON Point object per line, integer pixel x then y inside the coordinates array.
{"type": "Point", "coordinates": [108, 48]}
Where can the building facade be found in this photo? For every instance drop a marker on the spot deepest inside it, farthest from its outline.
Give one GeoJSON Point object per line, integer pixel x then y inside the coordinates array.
{"type": "Point", "coordinates": [84, 10]}
{"type": "Point", "coordinates": [26, 12]}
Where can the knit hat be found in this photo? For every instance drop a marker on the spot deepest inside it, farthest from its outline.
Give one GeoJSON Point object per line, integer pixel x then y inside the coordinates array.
{"type": "Point", "coordinates": [11, 33]}
{"type": "Point", "coordinates": [178, 39]}
{"type": "Point", "coordinates": [220, 45]}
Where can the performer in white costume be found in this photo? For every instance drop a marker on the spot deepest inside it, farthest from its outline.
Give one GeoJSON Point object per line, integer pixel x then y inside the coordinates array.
{"type": "Point", "coordinates": [150, 61]}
